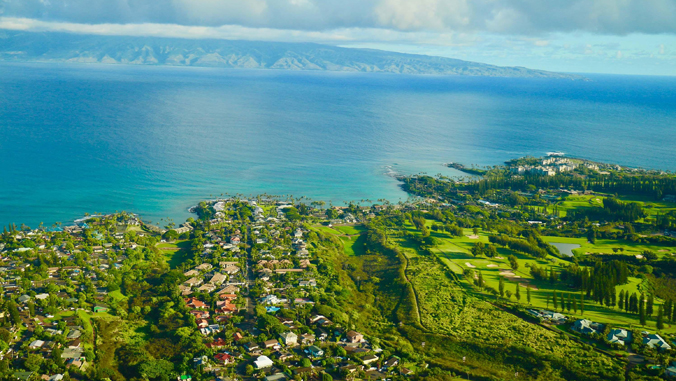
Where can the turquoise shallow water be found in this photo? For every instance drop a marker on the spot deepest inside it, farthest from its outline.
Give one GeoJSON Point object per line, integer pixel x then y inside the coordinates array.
{"type": "Point", "coordinates": [155, 140]}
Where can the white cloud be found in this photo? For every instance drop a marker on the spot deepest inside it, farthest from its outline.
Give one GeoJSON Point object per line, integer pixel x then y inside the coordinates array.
{"type": "Point", "coordinates": [619, 17]}
{"type": "Point", "coordinates": [238, 32]}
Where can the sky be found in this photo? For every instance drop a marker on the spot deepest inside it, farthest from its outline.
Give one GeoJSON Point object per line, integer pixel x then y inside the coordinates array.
{"type": "Point", "coordinates": [580, 36]}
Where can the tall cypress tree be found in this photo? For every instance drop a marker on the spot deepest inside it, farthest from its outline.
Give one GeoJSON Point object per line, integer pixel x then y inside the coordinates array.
{"type": "Point", "coordinates": [613, 296]}
{"type": "Point", "coordinates": [528, 293]}
{"type": "Point", "coordinates": [621, 299]}
{"type": "Point", "coordinates": [641, 311]}
{"type": "Point", "coordinates": [649, 306]}
{"type": "Point", "coordinates": [626, 302]}
{"type": "Point", "coordinates": [568, 305]}
{"type": "Point", "coordinates": [582, 303]}
{"type": "Point", "coordinates": [555, 303]}
{"type": "Point", "coordinates": [575, 304]}
{"type": "Point", "coordinates": [518, 293]}
{"type": "Point", "coordinates": [660, 318]}
{"type": "Point", "coordinates": [501, 287]}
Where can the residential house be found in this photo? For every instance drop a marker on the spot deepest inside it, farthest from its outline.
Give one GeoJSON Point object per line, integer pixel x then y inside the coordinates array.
{"type": "Point", "coordinates": [216, 344]}
{"type": "Point", "coordinates": [354, 337]}
{"type": "Point", "coordinates": [289, 338]}
{"type": "Point", "coordinates": [308, 283]}
{"type": "Point", "coordinates": [368, 359]}
{"type": "Point", "coordinates": [655, 341]}
{"type": "Point", "coordinates": [320, 320]}
{"type": "Point", "coordinates": [272, 299]}
{"type": "Point", "coordinates": [207, 288]}
{"type": "Point", "coordinates": [251, 346]}
{"type": "Point", "coordinates": [671, 371]}
{"type": "Point", "coordinates": [321, 334]}
{"type": "Point", "coordinates": [195, 303]}
{"type": "Point", "coordinates": [619, 336]}
{"type": "Point", "coordinates": [277, 377]}
{"type": "Point", "coordinates": [218, 278]}
{"type": "Point", "coordinates": [314, 351]}
{"type": "Point", "coordinates": [307, 338]}
{"type": "Point", "coordinates": [587, 327]}
{"type": "Point", "coordinates": [263, 362]}
{"type": "Point", "coordinates": [194, 281]}
{"type": "Point", "coordinates": [204, 267]}
{"type": "Point", "coordinates": [223, 358]}
{"type": "Point", "coordinates": [274, 344]}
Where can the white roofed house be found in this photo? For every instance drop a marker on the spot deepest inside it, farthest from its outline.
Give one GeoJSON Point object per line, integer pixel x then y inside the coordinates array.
{"type": "Point", "coordinates": [655, 341]}
{"type": "Point", "coordinates": [272, 299]}
{"type": "Point", "coordinates": [619, 336]}
{"type": "Point", "coordinates": [671, 370]}
{"type": "Point", "coordinates": [587, 327]}
{"type": "Point", "coordinates": [263, 362]}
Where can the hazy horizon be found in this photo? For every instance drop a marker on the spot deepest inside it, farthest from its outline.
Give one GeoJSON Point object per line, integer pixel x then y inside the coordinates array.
{"type": "Point", "coordinates": [597, 36]}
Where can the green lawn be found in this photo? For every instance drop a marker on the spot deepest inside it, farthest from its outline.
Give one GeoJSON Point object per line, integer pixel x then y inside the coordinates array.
{"type": "Point", "coordinates": [455, 253]}
{"type": "Point", "coordinates": [174, 252]}
{"type": "Point", "coordinates": [652, 207]}
{"type": "Point", "coordinates": [540, 290]}
{"type": "Point", "coordinates": [350, 230]}
{"type": "Point", "coordinates": [325, 229]}
{"type": "Point", "coordinates": [117, 295]}
{"type": "Point", "coordinates": [605, 246]}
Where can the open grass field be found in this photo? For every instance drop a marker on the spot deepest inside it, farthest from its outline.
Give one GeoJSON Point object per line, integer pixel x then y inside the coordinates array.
{"type": "Point", "coordinates": [325, 229]}
{"type": "Point", "coordinates": [117, 295]}
{"type": "Point", "coordinates": [606, 246]}
{"type": "Point", "coordinates": [454, 252]}
{"type": "Point", "coordinates": [579, 201]}
{"type": "Point", "coordinates": [174, 252]}
{"type": "Point", "coordinates": [449, 308]}
{"type": "Point", "coordinates": [350, 229]}
{"type": "Point", "coordinates": [349, 236]}
{"type": "Point", "coordinates": [575, 202]}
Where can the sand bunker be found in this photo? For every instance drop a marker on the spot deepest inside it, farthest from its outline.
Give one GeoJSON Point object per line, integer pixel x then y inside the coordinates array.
{"type": "Point", "coordinates": [511, 277]}
{"type": "Point", "coordinates": [492, 265]}
{"type": "Point", "coordinates": [471, 266]}
{"type": "Point", "coordinates": [499, 258]}
{"type": "Point", "coordinates": [639, 256]}
{"type": "Point", "coordinates": [473, 236]}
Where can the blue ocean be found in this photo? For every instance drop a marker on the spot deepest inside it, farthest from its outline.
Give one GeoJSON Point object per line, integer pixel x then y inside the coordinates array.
{"type": "Point", "coordinates": [156, 140]}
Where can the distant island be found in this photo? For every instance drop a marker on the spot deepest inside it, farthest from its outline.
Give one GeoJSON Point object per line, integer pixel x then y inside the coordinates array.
{"type": "Point", "coordinates": [76, 48]}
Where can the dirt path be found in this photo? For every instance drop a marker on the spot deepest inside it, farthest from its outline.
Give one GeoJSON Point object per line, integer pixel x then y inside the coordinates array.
{"type": "Point", "coordinates": [415, 293]}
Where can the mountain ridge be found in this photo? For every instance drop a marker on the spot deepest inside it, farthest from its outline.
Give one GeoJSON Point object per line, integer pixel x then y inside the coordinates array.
{"type": "Point", "coordinates": [66, 47]}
